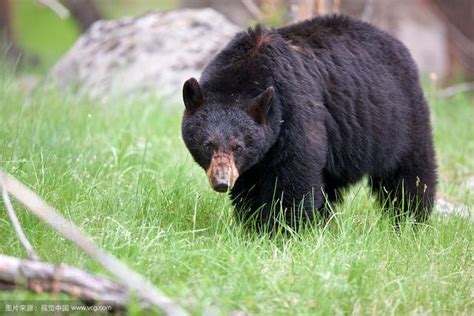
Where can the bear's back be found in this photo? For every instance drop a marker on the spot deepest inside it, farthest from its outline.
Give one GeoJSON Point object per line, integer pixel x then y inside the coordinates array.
{"type": "Point", "coordinates": [323, 30]}
{"type": "Point", "coordinates": [343, 37]}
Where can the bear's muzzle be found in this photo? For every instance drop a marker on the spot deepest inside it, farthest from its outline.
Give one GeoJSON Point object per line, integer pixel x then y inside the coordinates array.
{"type": "Point", "coordinates": [222, 172]}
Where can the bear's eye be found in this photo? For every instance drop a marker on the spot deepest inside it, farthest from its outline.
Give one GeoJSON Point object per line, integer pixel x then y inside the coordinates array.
{"type": "Point", "coordinates": [237, 148]}
{"type": "Point", "coordinates": [208, 147]}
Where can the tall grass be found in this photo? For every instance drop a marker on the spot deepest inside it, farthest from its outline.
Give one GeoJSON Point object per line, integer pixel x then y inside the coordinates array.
{"type": "Point", "coordinates": [122, 173]}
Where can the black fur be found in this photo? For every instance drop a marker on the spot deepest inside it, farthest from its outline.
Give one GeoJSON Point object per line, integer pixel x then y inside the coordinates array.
{"type": "Point", "coordinates": [347, 103]}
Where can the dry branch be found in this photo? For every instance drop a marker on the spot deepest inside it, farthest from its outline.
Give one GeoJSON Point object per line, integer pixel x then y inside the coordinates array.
{"type": "Point", "coordinates": [52, 217]}
{"type": "Point", "coordinates": [42, 277]}
{"type": "Point", "coordinates": [56, 7]}
{"type": "Point", "coordinates": [16, 225]}
{"type": "Point", "coordinates": [458, 88]}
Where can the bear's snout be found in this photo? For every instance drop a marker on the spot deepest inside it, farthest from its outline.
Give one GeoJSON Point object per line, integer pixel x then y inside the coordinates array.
{"type": "Point", "coordinates": [222, 172]}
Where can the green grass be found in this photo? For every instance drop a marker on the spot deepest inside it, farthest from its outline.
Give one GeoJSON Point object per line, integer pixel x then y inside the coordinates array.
{"type": "Point", "coordinates": [122, 173]}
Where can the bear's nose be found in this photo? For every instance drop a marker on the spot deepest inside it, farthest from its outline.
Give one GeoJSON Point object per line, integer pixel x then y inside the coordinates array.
{"type": "Point", "coordinates": [220, 179]}
{"type": "Point", "coordinates": [221, 187]}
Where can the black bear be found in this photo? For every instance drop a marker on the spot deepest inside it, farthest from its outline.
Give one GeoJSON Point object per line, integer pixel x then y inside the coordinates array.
{"type": "Point", "coordinates": [291, 116]}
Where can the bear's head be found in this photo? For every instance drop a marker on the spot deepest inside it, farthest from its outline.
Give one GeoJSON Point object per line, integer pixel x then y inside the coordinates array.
{"type": "Point", "coordinates": [227, 134]}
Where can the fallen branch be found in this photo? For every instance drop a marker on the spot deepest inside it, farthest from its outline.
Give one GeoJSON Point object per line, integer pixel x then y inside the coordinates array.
{"type": "Point", "coordinates": [43, 277]}
{"type": "Point", "coordinates": [17, 227]}
{"type": "Point", "coordinates": [57, 7]}
{"type": "Point", "coordinates": [49, 215]}
{"type": "Point", "coordinates": [456, 89]}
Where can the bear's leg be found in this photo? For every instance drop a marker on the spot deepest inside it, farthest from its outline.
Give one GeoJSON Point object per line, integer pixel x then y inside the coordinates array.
{"type": "Point", "coordinates": [333, 194]}
{"type": "Point", "coordinates": [408, 190]}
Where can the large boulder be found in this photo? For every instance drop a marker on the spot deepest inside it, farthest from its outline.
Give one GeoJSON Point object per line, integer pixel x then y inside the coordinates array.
{"type": "Point", "coordinates": [153, 53]}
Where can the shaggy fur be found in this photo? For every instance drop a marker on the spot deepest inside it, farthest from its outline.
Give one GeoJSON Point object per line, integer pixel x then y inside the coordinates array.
{"type": "Point", "coordinates": [346, 102]}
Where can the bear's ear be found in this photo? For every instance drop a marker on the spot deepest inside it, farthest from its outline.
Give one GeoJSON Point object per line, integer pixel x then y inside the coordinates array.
{"type": "Point", "coordinates": [258, 107]}
{"type": "Point", "coordinates": [193, 96]}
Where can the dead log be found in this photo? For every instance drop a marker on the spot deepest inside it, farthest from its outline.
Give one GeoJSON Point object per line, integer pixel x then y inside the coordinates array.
{"type": "Point", "coordinates": [43, 277]}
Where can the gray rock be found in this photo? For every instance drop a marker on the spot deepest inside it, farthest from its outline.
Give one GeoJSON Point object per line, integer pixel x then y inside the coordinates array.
{"type": "Point", "coordinates": [445, 206]}
{"type": "Point", "coordinates": [153, 53]}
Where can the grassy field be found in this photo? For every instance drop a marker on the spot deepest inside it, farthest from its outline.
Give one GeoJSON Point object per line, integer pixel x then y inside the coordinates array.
{"type": "Point", "coordinates": [122, 173]}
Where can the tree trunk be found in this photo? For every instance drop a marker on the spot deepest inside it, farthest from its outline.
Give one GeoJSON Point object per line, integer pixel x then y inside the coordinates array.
{"type": "Point", "coordinates": [84, 12]}
{"type": "Point", "coordinates": [459, 19]}
{"type": "Point", "coordinates": [8, 46]}
{"type": "Point", "coordinates": [5, 20]}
